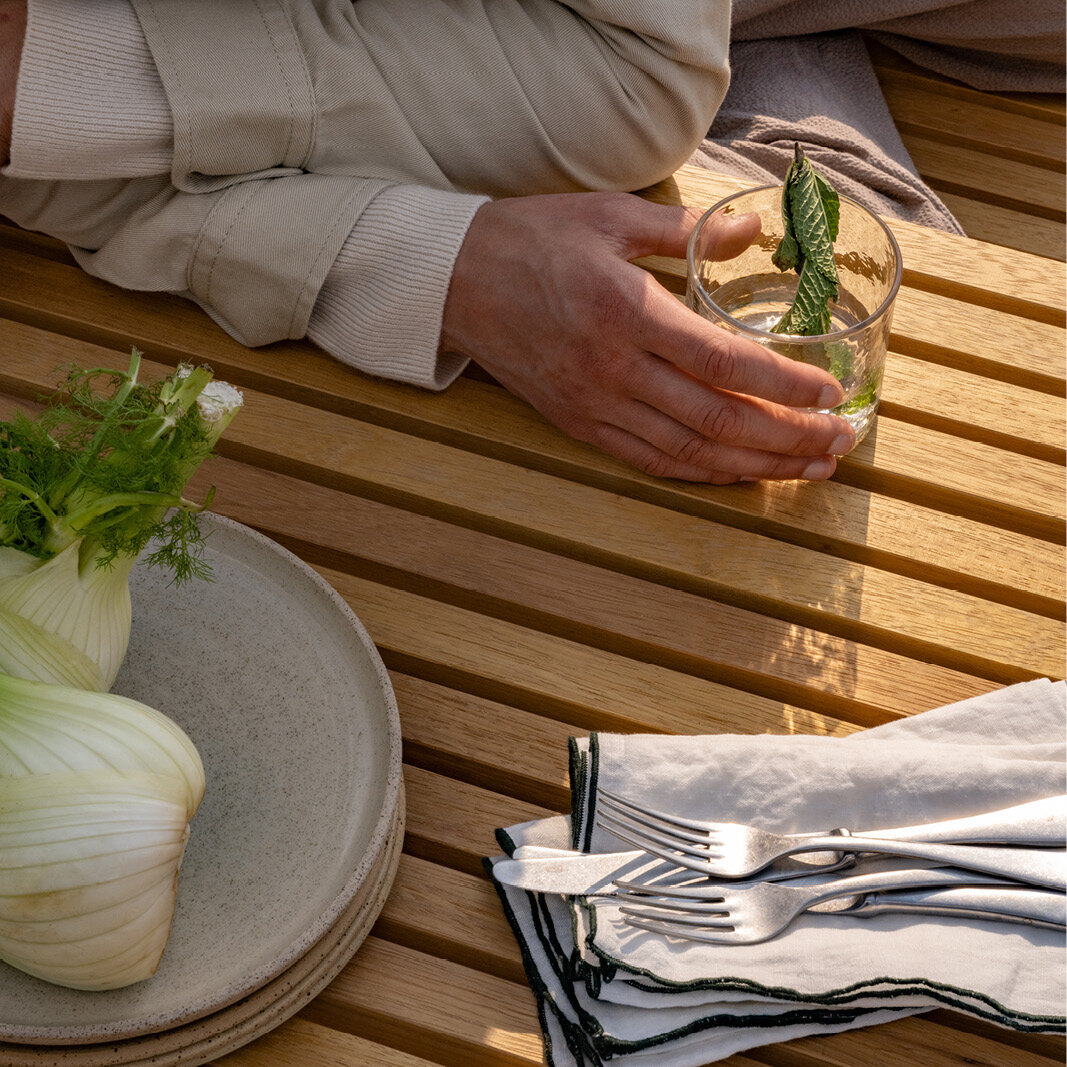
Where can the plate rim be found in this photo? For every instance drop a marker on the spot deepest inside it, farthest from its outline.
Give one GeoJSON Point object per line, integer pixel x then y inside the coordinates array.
{"type": "Point", "coordinates": [84, 1033]}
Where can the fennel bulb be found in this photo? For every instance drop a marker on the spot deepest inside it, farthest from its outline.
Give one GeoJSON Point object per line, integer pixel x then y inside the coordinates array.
{"type": "Point", "coordinates": [96, 795]}
{"type": "Point", "coordinates": [83, 488]}
{"type": "Point", "coordinates": [88, 874]}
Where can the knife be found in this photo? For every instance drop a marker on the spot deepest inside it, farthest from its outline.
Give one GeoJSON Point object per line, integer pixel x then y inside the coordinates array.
{"type": "Point", "coordinates": [560, 870]}
{"type": "Point", "coordinates": [594, 874]}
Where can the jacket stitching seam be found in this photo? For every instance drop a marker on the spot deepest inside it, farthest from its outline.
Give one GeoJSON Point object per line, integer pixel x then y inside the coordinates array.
{"type": "Point", "coordinates": [288, 84]}
{"type": "Point", "coordinates": [222, 242]}
{"type": "Point", "coordinates": [322, 249]}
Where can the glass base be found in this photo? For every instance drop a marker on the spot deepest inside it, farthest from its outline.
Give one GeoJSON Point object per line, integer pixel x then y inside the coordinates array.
{"type": "Point", "coordinates": [860, 419]}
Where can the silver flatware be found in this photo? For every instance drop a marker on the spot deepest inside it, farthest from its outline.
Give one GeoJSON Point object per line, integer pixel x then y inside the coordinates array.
{"type": "Point", "coordinates": [553, 870]}
{"type": "Point", "coordinates": [1041, 823]}
{"type": "Point", "coordinates": [733, 850]}
{"type": "Point", "coordinates": [1032, 907]}
{"type": "Point", "coordinates": [748, 913]}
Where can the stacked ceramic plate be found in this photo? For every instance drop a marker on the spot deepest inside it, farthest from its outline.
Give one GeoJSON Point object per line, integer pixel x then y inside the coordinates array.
{"type": "Point", "coordinates": [297, 841]}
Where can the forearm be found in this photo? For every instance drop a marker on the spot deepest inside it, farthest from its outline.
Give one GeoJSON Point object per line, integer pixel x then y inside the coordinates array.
{"type": "Point", "coordinates": [592, 95]}
{"type": "Point", "coordinates": [12, 32]}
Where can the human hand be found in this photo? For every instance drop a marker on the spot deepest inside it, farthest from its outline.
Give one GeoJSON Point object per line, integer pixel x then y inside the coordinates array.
{"type": "Point", "coordinates": [544, 298]}
{"type": "Point", "coordinates": [12, 32]}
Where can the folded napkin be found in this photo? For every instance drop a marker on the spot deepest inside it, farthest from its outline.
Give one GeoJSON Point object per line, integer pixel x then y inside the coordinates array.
{"type": "Point", "coordinates": [608, 991]}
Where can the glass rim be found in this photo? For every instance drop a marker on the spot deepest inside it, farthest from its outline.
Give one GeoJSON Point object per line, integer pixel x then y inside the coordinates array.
{"type": "Point", "coordinates": [794, 338]}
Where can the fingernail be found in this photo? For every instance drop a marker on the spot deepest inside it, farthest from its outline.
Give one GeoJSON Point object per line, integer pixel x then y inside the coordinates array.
{"type": "Point", "coordinates": [830, 396]}
{"type": "Point", "coordinates": [843, 444]}
{"type": "Point", "coordinates": [819, 469]}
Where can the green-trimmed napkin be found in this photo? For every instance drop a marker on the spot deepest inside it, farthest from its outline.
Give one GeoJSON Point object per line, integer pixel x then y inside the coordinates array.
{"type": "Point", "coordinates": [608, 991]}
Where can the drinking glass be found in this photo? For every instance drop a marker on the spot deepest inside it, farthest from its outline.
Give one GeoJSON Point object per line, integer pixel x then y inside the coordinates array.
{"type": "Point", "coordinates": [740, 290]}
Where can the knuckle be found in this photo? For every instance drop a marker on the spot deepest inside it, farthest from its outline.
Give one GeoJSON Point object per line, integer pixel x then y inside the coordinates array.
{"type": "Point", "coordinates": [612, 311]}
{"type": "Point", "coordinates": [658, 465]}
{"type": "Point", "coordinates": [715, 359]}
{"type": "Point", "coordinates": [693, 450]}
{"type": "Point", "coordinates": [722, 421]}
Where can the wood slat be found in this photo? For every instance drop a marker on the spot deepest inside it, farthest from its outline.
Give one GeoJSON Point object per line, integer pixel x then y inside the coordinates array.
{"type": "Point", "coordinates": [891, 66]}
{"type": "Point", "coordinates": [452, 823]}
{"type": "Point", "coordinates": [407, 999]}
{"type": "Point", "coordinates": [298, 1043]}
{"type": "Point", "coordinates": [920, 110]}
{"type": "Point", "coordinates": [980, 340]}
{"type": "Point", "coordinates": [988, 176]}
{"type": "Point", "coordinates": [508, 750]}
{"type": "Point", "coordinates": [570, 598]}
{"type": "Point", "coordinates": [894, 534]}
{"type": "Point", "coordinates": [559, 679]}
{"type": "Point", "coordinates": [452, 915]}
{"type": "Point", "coordinates": [972, 407]}
{"type": "Point", "coordinates": [1015, 229]}
{"type": "Point", "coordinates": [904, 1043]}
{"type": "Point", "coordinates": [943, 471]}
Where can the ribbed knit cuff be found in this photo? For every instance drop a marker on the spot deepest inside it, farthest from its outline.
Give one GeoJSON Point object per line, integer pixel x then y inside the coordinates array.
{"type": "Point", "coordinates": [89, 103]}
{"type": "Point", "coordinates": [381, 306]}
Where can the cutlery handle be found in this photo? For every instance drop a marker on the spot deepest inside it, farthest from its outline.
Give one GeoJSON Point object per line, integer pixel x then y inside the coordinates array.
{"type": "Point", "coordinates": [1038, 822]}
{"type": "Point", "coordinates": [1038, 866]}
{"type": "Point", "coordinates": [1037, 907]}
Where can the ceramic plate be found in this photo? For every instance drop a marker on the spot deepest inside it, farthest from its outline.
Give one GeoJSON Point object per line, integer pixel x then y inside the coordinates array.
{"type": "Point", "coordinates": [285, 696]}
{"type": "Point", "coordinates": [224, 1031]}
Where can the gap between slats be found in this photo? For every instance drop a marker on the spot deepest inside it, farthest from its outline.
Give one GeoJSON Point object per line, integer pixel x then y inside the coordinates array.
{"type": "Point", "coordinates": [792, 607]}
{"type": "Point", "coordinates": [626, 615]}
{"type": "Point", "coordinates": [508, 430]}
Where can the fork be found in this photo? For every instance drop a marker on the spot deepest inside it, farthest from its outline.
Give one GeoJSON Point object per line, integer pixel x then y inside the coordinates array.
{"type": "Point", "coordinates": [732, 850]}
{"type": "Point", "coordinates": [758, 911]}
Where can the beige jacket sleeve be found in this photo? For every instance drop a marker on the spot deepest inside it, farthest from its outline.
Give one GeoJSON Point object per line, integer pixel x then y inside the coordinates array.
{"type": "Point", "coordinates": [298, 122]}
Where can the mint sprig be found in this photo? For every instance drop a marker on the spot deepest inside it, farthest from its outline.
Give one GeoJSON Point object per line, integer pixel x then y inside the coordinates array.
{"type": "Point", "coordinates": [810, 214]}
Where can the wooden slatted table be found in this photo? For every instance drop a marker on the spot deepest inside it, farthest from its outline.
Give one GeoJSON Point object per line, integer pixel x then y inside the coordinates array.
{"type": "Point", "coordinates": [996, 159]}
{"type": "Point", "coordinates": [523, 588]}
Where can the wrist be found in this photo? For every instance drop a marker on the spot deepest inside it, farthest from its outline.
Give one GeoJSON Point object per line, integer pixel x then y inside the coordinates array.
{"type": "Point", "coordinates": [12, 34]}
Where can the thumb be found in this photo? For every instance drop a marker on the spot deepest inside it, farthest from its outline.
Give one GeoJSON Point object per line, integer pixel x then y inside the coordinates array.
{"type": "Point", "coordinates": [657, 229]}
{"type": "Point", "coordinates": [664, 230]}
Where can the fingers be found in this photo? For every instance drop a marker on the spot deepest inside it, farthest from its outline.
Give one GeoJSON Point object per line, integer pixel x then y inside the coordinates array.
{"type": "Point", "coordinates": [738, 420]}
{"type": "Point", "coordinates": [645, 229]}
{"type": "Point", "coordinates": [663, 230]}
{"type": "Point", "coordinates": [688, 457]}
{"type": "Point", "coordinates": [729, 361]}
{"type": "Point", "coordinates": [727, 236]}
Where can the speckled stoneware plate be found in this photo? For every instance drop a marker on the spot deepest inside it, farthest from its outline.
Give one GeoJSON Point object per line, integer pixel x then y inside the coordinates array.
{"type": "Point", "coordinates": [287, 700]}
{"type": "Point", "coordinates": [224, 1031]}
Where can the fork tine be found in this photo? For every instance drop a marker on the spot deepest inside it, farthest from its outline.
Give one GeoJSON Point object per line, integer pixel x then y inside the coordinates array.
{"type": "Point", "coordinates": [665, 839]}
{"type": "Point", "coordinates": [638, 809]}
{"type": "Point", "coordinates": [677, 858]}
{"type": "Point", "coordinates": [667, 909]}
{"type": "Point", "coordinates": [642, 890]}
{"type": "Point", "coordinates": [674, 930]}
{"type": "Point", "coordinates": [624, 809]}
{"type": "Point", "coordinates": [700, 922]}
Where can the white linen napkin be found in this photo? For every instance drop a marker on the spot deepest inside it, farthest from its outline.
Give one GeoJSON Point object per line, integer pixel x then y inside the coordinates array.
{"type": "Point", "coordinates": [606, 990]}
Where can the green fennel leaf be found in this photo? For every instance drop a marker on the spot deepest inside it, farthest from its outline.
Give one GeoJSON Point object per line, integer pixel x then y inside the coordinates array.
{"type": "Point", "coordinates": [105, 461]}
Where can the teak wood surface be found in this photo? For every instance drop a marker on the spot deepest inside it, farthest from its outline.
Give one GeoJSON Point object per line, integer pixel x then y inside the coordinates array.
{"type": "Point", "coordinates": [523, 588]}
